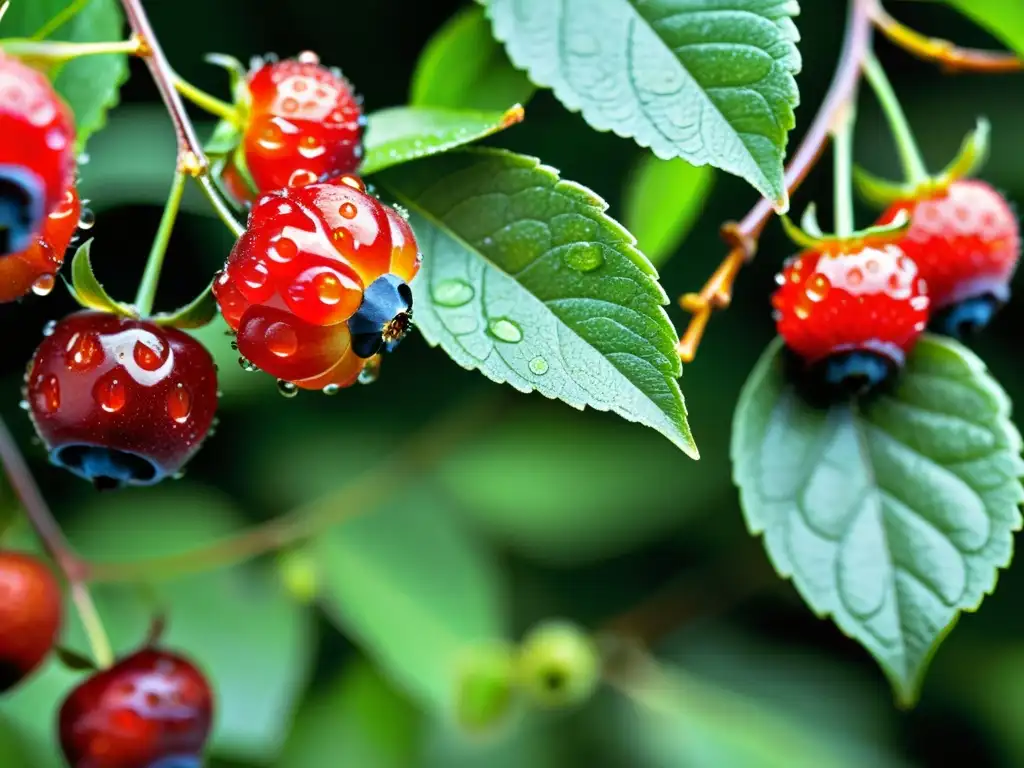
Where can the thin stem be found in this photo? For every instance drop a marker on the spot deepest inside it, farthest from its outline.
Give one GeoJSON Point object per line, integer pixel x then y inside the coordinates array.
{"type": "Point", "coordinates": [842, 154]}
{"type": "Point", "coordinates": [102, 651]}
{"type": "Point", "coordinates": [742, 236]}
{"type": "Point", "coordinates": [914, 168]}
{"type": "Point", "coordinates": [222, 209]}
{"type": "Point", "coordinates": [54, 51]}
{"type": "Point", "coordinates": [361, 495]}
{"type": "Point", "coordinates": [205, 101]}
{"type": "Point", "coordinates": [151, 276]}
{"type": "Point", "coordinates": [67, 14]}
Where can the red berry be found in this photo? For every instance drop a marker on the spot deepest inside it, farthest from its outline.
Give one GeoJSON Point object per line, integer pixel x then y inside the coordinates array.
{"type": "Point", "coordinates": [121, 401]}
{"type": "Point", "coordinates": [37, 153]}
{"type": "Point", "coordinates": [30, 616]}
{"type": "Point", "coordinates": [305, 123]}
{"type": "Point", "coordinates": [853, 315]}
{"type": "Point", "coordinates": [36, 267]}
{"type": "Point", "coordinates": [318, 282]}
{"type": "Point", "coordinates": [966, 241]}
{"type": "Point", "coordinates": [153, 709]}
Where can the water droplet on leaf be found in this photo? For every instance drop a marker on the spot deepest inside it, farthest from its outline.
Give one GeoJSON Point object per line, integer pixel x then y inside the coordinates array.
{"type": "Point", "coordinates": [453, 293]}
{"type": "Point", "coordinates": [505, 330]}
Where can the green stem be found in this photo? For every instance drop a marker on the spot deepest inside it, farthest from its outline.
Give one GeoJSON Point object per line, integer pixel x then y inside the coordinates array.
{"type": "Point", "coordinates": [67, 14]}
{"type": "Point", "coordinates": [222, 209]}
{"type": "Point", "coordinates": [205, 101]}
{"type": "Point", "coordinates": [151, 277]}
{"type": "Point", "coordinates": [61, 51]}
{"type": "Point", "coordinates": [102, 651]}
{"type": "Point", "coordinates": [842, 154]}
{"type": "Point", "coordinates": [914, 169]}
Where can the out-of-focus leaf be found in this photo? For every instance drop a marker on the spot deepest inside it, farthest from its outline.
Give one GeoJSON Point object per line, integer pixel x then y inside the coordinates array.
{"type": "Point", "coordinates": [357, 721]}
{"type": "Point", "coordinates": [415, 591]}
{"type": "Point", "coordinates": [400, 134]}
{"type": "Point", "coordinates": [527, 744]}
{"type": "Point", "coordinates": [236, 384]}
{"type": "Point", "coordinates": [528, 280]}
{"type": "Point", "coordinates": [1003, 18]}
{"type": "Point", "coordinates": [894, 517]}
{"type": "Point", "coordinates": [254, 643]}
{"type": "Point", "coordinates": [663, 200]}
{"type": "Point", "coordinates": [13, 753]}
{"type": "Point", "coordinates": [464, 67]}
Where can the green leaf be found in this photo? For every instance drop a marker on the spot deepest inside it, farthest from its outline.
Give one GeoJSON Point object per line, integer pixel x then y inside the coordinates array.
{"type": "Point", "coordinates": [464, 67]}
{"type": "Point", "coordinates": [256, 645]}
{"type": "Point", "coordinates": [662, 202]}
{"type": "Point", "coordinates": [400, 134]}
{"type": "Point", "coordinates": [707, 81]}
{"type": "Point", "coordinates": [1002, 18]}
{"type": "Point", "coordinates": [90, 84]}
{"type": "Point", "coordinates": [526, 279]}
{"type": "Point", "coordinates": [86, 289]}
{"type": "Point", "coordinates": [417, 592]}
{"type": "Point", "coordinates": [197, 313]}
{"type": "Point", "coordinates": [891, 518]}
{"type": "Point", "coordinates": [357, 721]}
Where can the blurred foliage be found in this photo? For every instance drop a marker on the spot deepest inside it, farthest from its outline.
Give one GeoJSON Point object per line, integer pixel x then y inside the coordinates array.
{"type": "Point", "coordinates": [539, 512]}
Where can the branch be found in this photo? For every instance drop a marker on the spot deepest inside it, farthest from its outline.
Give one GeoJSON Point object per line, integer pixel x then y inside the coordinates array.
{"type": "Point", "coordinates": [942, 52]}
{"type": "Point", "coordinates": [743, 236]}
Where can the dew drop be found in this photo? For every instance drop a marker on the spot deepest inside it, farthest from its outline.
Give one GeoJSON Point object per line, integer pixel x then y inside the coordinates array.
{"type": "Point", "coordinates": [180, 474]}
{"type": "Point", "coordinates": [147, 358]}
{"type": "Point", "coordinates": [111, 394]}
{"type": "Point", "coordinates": [44, 284]}
{"type": "Point", "coordinates": [780, 279]}
{"type": "Point", "coordinates": [179, 403]}
{"type": "Point", "coordinates": [23, 404]}
{"type": "Point", "coordinates": [47, 394]}
{"type": "Point", "coordinates": [817, 287]}
{"type": "Point", "coordinates": [331, 389]}
{"type": "Point", "coordinates": [348, 210]}
{"type": "Point", "coordinates": [287, 388]}
{"type": "Point", "coordinates": [539, 366]}
{"type": "Point", "coordinates": [855, 276]}
{"type": "Point", "coordinates": [254, 274]}
{"type": "Point", "coordinates": [283, 251]}
{"type": "Point", "coordinates": [505, 330]}
{"type": "Point", "coordinates": [308, 57]}
{"type": "Point", "coordinates": [246, 365]}
{"type": "Point", "coordinates": [801, 312]}
{"type": "Point", "coordinates": [453, 293]}
{"type": "Point", "coordinates": [584, 257]}
{"type": "Point", "coordinates": [49, 328]}
{"type": "Point", "coordinates": [281, 339]}
{"type": "Point", "coordinates": [87, 219]}
{"type": "Point", "coordinates": [353, 181]}
{"type": "Point", "coordinates": [82, 352]}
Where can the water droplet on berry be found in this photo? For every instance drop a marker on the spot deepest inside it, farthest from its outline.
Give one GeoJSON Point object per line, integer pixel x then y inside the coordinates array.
{"type": "Point", "coordinates": [254, 273]}
{"type": "Point", "coordinates": [353, 181]}
{"type": "Point", "coordinates": [855, 276]}
{"type": "Point", "coordinates": [44, 284]}
{"type": "Point", "coordinates": [246, 365]}
{"type": "Point", "coordinates": [452, 293]}
{"type": "Point", "coordinates": [539, 366]}
{"type": "Point", "coordinates": [179, 403]}
{"type": "Point", "coordinates": [920, 303]}
{"type": "Point", "coordinates": [47, 394]}
{"type": "Point", "coordinates": [348, 210]}
{"type": "Point", "coordinates": [283, 250]}
{"type": "Point", "coordinates": [308, 57]}
{"type": "Point", "coordinates": [331, 389]}
{"type": "Point", "coordinates": [301, 178]}
{"type": "Point", "coordinates": [83, 158]}
{"type": "Point", "coordinates": [505, 330]}
{"type": "Point", "coordinates": [49, 328]}
{"type": "Point", "coordinates": [873, 265]}
{"type": "Point", "coordinates": [23, 404]}
{"type": "Point", "coordinates": [111, 393]}
{"type": "Point", "coordinates": [289, 105]}
{"type": "Point", "coordinates": [371, 371]}
{"type": "Point", "coordinates": [802, 312]}
{"type": "Point", "coordinates": [147, 358]}
{"type": "Point", "coordinates": [82, 352]}
{"type": "Point", "coordinates": [287, 388]}
{"type": "Point", "coordinates": [817, 287]}
{"type": "Point", "coordinates": [281, 339]}
{"type": "Point", "coordinates": [584, 257]}
{"type": "Point", "coordinates": [87, 219]}
{"type": "Point", "coordinates": [780, 279]}
{"type": "Point", "coordinates": [180, 474]}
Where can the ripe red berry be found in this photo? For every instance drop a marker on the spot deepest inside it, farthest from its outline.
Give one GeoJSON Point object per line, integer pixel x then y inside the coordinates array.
{"type": "Point", "coordinates": [305, 123]}
{"type": "Point", "coordinates": [153, 709]}
{"type": "Point", "coordinates": [36, 267]}
{"type": "Point", "coordinates": [966, 241]}
{"type": "Point", "coordinates": [37, 160]}
{"type": "Point", "coordinates": [120, 401]}
{"type": "Point", "coordinates": [851, 316]}
{"type": "Point", "coordinates": [318, 282]}
{"type": "Point", "coordinates": [30, 616]}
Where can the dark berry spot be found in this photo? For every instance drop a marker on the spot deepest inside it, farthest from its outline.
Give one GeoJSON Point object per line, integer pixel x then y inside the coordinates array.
{"type": "Point", "coordinates": [842, 376]}
{"type": "Point", "coordinates": [384, 317]}
{"type": "Point", "coordinates": [106, 468]}
{"type": "Point", "coordinates": [966, 318]}
{"type": "Point", "coordinates": [22, 208]}
{"type": "Point", "coordinates": [554, 679]}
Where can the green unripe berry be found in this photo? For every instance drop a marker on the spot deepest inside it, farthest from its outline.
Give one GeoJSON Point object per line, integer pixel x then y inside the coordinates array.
{"type": "Point", "coordinates": [559, 665]}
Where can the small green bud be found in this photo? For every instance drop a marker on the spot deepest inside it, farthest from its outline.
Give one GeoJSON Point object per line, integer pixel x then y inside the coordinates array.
{"type": "Point", "coordinates": [559, 665]}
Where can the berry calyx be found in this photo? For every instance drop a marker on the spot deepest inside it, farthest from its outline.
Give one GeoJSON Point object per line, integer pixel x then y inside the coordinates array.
{"type": "Point", "coordinates": [153, 709]}
{"type": "Point", "coordinates": [30, 616]}
{"type": "Point", "coordinates": [305, 123]}
{"type": "Point", "coordinates": [35, 268]}
{"type": "Point", "coordinates": [120, 401]}
{"type": "Point", "coordinates": [318, 283]}
{"type": "Point", "coordinates": [965, 239]}
{"type": "Point", "coordinates": [850, 312]}
{"type": "Point", "coordinates": [37, 159]}
{"type": "Point", "coordinates": [559, 665]}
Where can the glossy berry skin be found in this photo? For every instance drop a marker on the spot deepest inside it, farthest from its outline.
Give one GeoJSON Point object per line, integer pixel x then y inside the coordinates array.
{"type": "Point", "coordinates": [318, 282]}
{"type": "Point", "coordinates": [851, 315]}
{"type": "Point", "coordinates": [35, 269]}
{"type": "Point", "coordinates": [37, 153]}
{"type": "Point", "coordinates": [120, 401]}
{"type": "Point", "coordinates": [305, 123]}
{"type": "Point", "coordinates": [966, 241]}
{"type": "Point", "coordinates": [153, 709]}
{"type": "Point", "coordinates": [30, 616]}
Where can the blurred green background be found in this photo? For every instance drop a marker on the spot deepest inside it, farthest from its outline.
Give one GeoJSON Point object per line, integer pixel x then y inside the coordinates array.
{"type": "Point", "coordinates": [535, 511]}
